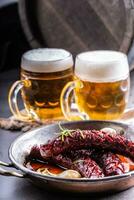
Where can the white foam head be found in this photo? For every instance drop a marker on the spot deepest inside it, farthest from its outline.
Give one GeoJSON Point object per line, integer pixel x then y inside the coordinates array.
{"type": "Point", "coordinates": [101, 66]}
{"type": "Point", "coordinates": [46, 60]}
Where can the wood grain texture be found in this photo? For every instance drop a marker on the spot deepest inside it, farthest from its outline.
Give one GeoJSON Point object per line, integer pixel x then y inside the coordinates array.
{"type": "Point", "coordinates": [78, 25]}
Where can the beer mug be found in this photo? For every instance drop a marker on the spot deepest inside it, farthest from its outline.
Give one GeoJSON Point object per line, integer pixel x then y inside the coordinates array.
{"type": "Point", "coordinates": [44, 73]}
{"type": "Point", "coordinates": [101, 86]}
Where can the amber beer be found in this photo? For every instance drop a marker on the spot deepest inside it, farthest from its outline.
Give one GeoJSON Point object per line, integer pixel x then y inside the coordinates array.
{"type": "Point", "coordinates": [44, 73]}
{"type": "Point", "coordinates": [102, 84]}
{"type": "Point", "coordinates": [102, 100]}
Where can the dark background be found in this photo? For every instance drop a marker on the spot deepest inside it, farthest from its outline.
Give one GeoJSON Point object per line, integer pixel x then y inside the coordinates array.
{"type": "Point", "coordinates": [13, 42]}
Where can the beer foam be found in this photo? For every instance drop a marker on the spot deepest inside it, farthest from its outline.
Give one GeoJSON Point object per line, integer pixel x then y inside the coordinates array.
{"type": "Point", "coordinates": [46, 60]}
{"type": "Point", "coordinates": [101, 66]}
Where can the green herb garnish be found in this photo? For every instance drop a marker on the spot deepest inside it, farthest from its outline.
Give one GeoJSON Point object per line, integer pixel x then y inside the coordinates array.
{"type": "Point", "coordinates": [68, 132]}
{"type": "Point", "coordinates": [64, 132]}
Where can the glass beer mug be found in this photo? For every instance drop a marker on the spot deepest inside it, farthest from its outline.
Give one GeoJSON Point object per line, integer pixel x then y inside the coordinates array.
{"type": "Point", "coordinates": [44, 73]}
{"type": "Point", "coordinates": [101, 86]}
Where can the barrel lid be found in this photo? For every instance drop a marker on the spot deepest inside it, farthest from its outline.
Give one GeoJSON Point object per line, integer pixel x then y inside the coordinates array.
{"type": "Point", "coordinates": [78, 25]}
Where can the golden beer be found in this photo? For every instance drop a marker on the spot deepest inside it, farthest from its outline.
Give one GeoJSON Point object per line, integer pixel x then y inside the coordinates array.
{"type": "Point", "coordinates": [101, 86]}
{"type": "Point", "coordinates": [42, 92]}
{"type": "Point", "coordinates": [44, 73]}
{"type": "Point", "coordinates": [105, 101]}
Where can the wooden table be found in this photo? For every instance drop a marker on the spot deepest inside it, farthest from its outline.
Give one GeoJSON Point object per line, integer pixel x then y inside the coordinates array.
{"type": "Point", "coordinates": [12, 188]}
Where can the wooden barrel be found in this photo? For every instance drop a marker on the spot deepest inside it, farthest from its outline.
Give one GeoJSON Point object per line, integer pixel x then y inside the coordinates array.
{"type": "Point", "coordinates": [78, 25]}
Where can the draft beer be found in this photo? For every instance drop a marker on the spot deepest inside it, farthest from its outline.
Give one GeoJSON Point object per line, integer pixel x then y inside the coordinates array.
{"type": "Point", "coordinates": [101, 85]}
{"type": "Point", "coordinates": [44, 73]}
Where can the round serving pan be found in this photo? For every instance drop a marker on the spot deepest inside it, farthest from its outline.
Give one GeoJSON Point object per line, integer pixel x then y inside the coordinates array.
{"type": "Point", "coordinates": [20, 148]}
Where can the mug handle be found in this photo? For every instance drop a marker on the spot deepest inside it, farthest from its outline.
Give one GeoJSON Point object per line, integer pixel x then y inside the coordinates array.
{"type": "Point", "coordinates": [68, 112]}
{"type": "Point", "coordinates": [12, 99]}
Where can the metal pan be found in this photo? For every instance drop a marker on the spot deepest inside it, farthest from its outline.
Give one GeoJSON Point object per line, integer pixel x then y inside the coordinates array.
{"type": "Point", "coordinates": [22, 145]}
